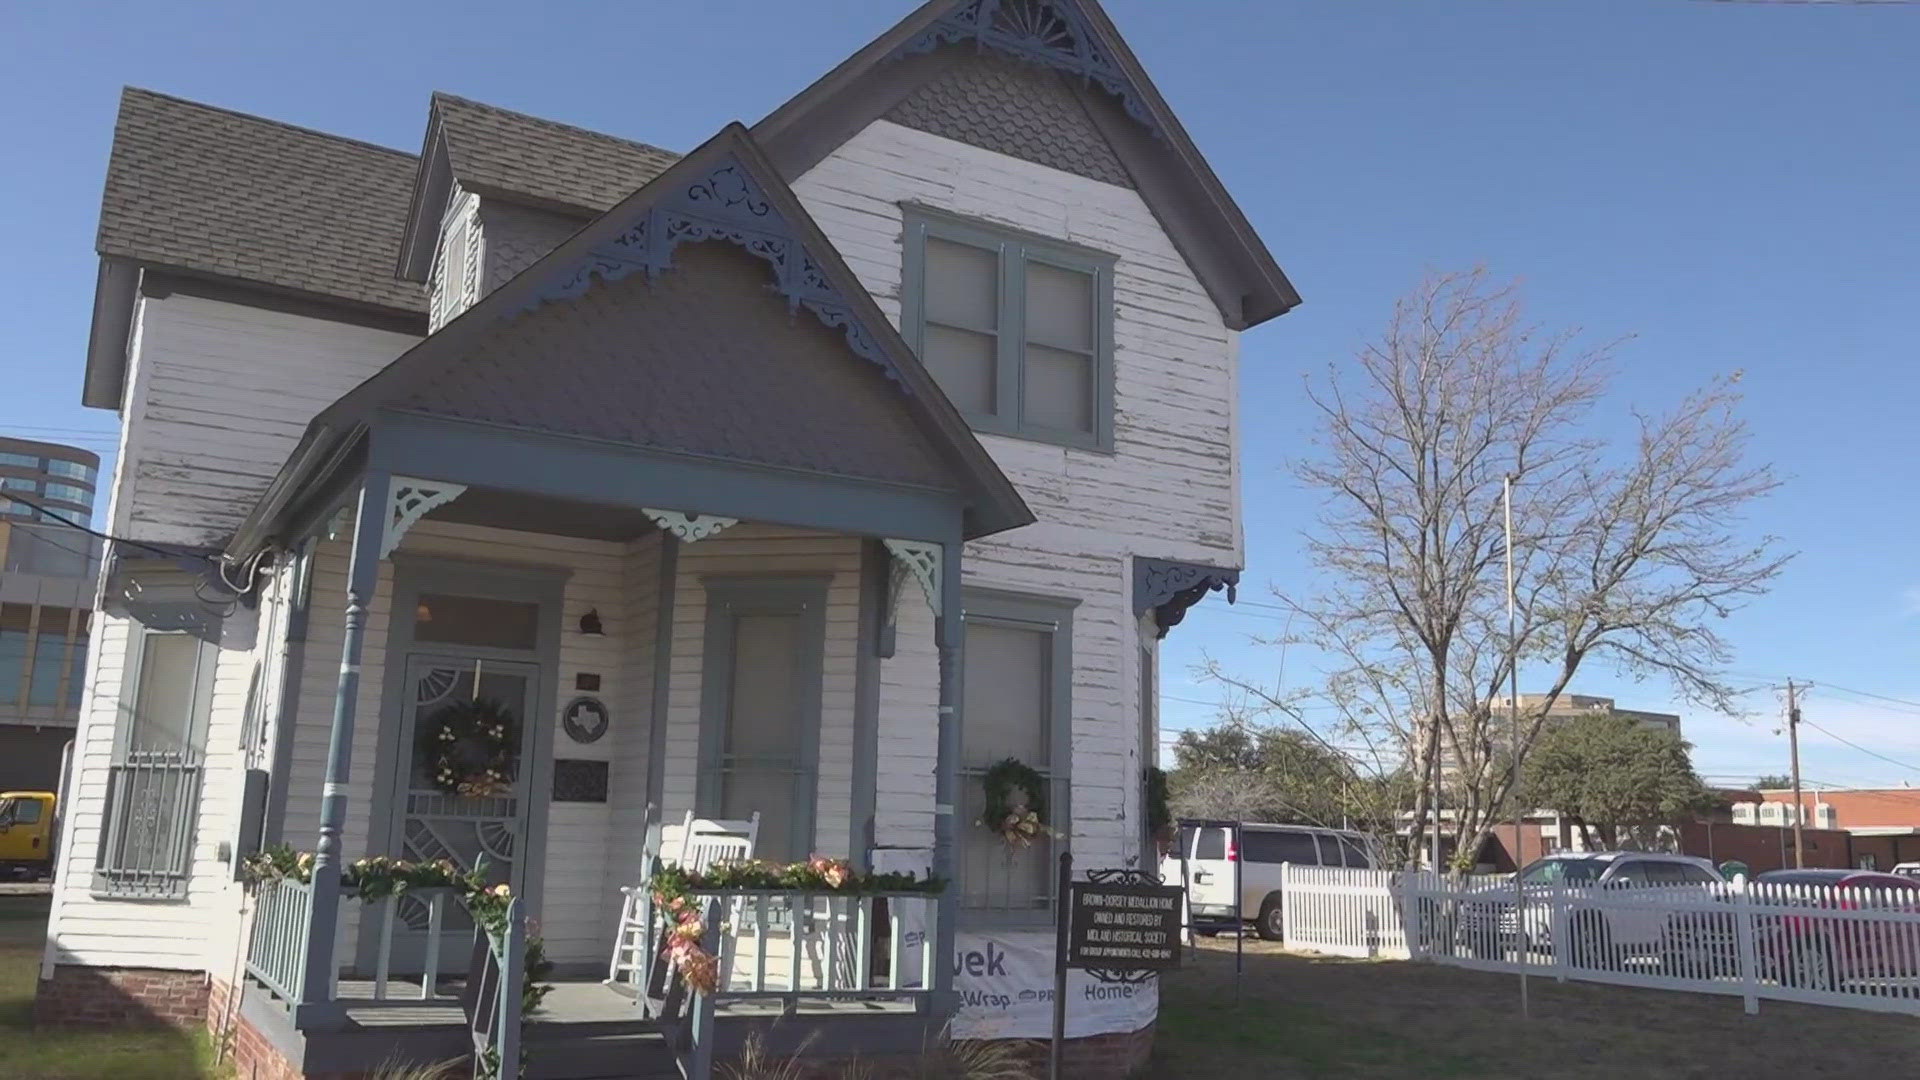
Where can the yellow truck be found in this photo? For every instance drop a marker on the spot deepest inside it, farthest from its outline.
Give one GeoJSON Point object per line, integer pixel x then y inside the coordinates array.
{"type": "Point", "coordinates": [26, 834]}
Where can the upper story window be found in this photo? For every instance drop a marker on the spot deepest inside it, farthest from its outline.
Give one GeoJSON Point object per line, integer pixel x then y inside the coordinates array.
{"type": "Point", "coordinates": [1018, 330]}
{"type": "Point", "coordinates": [65, 492]}
{"type": "Point", "coordinates": [18, 483]}
{"type": "Point", "coordinates": [73, 470]}
{"type": "Point", "coordinates": [23, 461]}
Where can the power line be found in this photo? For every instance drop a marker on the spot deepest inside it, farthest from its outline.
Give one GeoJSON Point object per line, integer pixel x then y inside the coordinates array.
{"type": "Point", "coordinates": [1869, 694]}
{"type": "Point", "coordinates": [89, 530]}
{"type": "Point", "coordinates": [1857, 746]}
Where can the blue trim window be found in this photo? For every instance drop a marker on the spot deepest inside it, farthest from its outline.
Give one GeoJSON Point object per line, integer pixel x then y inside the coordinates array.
{"type": "Point", "coordinates": [1017, 329]}
{"type": "Point", "coordinates": [1017, 702]}
{"type": "Point", "coordinates": [65, 492]}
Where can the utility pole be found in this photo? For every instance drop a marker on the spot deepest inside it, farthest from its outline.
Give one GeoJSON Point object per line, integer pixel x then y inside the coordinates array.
{"type": "Point", "coordinates": [1793, 745]}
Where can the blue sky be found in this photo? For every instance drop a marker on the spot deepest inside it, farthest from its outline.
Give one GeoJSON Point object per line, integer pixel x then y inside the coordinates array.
{"type": "Point", "coordinates": [1736, 185]}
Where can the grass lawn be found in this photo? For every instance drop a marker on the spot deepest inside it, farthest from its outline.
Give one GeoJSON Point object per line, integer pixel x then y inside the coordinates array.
{"type": "Point", "coordinates": [1315, 1017]}
{"type": "Point", "coordinates": [26, 1054]}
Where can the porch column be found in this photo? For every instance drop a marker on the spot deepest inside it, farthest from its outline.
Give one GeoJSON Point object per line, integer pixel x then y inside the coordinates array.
{"type": "Point", "coordinates": [363, 576]}
{"type": "Point", "coordinates": [949, 636]}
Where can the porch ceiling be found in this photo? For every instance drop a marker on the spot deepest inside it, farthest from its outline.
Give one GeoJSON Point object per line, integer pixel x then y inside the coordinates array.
{"type": "Point", "coordinates": [499, 509]}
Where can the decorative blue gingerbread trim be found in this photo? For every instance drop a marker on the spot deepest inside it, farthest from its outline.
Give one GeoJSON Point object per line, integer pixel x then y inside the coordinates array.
{"type": "Point", "coordinates": [1169, 588]}
{"type": "Point", "coordinates": [1052, 33]}
{"type": "Point", "coordinates": [726, 204]}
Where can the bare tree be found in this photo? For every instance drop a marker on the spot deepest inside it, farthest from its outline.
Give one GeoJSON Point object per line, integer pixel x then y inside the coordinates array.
{"type": "Point", "coordinates": [1624, 548]}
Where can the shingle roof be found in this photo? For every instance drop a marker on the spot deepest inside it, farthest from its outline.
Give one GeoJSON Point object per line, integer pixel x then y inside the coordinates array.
{"type": "Point", "coordinates": [209, 190]}
{"type": "Point", "coordinates": [499, 151]}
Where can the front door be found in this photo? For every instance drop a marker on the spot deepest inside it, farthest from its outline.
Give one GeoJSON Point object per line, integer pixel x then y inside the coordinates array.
{"type": "Point", "coordinates": [468, 743]}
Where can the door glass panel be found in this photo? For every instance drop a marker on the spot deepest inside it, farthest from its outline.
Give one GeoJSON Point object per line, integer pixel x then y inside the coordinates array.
{"type": "Point", "coordinates": [760, 764]}
{"type": "Point", "coordinates": [470, 830]}
{"type": "Point", "coordinates": [444, 619]}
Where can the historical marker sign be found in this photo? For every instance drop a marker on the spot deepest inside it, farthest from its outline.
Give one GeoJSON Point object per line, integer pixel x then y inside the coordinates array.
{"type": "Point", "coordinates": [1123, 927]}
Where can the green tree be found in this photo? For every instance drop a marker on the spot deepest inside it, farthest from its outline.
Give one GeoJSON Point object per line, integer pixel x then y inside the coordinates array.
{"type": "Point", "coordinates": [1773, 782]}
{"type": "Point", "coordinates": [1609, 773]}
{"type": "Point", "coordinates": [1250, 772]}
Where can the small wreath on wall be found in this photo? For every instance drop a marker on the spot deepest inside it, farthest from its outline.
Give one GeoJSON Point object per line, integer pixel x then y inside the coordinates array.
{"type": "Point", "coordinates": [1016, 808]}
{"type": "Point", "coordinates": [473, 747]}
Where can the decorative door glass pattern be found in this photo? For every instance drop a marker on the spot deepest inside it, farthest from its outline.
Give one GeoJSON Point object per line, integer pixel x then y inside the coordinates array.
{"type": "Point", "coordinates": [482, 824]}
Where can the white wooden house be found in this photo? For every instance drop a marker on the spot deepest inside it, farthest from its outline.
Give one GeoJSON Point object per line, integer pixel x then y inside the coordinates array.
{"type": "Point", "coordinates": [828, 463]}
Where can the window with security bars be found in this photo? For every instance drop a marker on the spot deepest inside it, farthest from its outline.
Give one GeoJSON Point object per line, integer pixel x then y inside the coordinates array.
{"type": "Point", "coordinates": [1018, 330]}
{"type": "Point", "coordinates": [1017, 667]}
{"type": "Point", "coordinates": [153, 787]}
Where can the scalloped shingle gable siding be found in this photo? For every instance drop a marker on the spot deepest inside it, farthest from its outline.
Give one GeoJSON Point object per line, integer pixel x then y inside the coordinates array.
{"type": "Point", "coordinates": [1012, 108]}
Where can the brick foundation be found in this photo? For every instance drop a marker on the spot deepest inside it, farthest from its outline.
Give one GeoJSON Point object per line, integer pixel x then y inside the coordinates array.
{"type": "Point", "coordinates": [99, 997]}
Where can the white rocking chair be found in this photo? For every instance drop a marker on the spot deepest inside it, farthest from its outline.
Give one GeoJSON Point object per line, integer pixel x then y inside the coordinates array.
{"type": "Point", "coordinates": [696, 844]}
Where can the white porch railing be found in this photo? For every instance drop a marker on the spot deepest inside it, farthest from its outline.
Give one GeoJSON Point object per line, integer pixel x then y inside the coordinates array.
{"type": "Point", "coordinates": [277, 954]}
{"type": "Point", "coordinates": [1825, 945]}
{"type": "Point", "coordinates": [789, 947]}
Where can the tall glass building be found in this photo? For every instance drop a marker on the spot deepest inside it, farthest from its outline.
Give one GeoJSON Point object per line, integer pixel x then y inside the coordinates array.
{"type": "Point", "coordinates": [47, 576]}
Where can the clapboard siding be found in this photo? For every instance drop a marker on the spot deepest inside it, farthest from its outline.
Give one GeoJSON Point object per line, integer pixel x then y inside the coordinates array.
{"type": "Point", "coordinates": [199, 931]}
{"type": "Point", "coordinates": [749, 550]}
{"type": "Point", "coordinates": [1170, 489]}
{"type": "Point", "coordinates": [218, 396]}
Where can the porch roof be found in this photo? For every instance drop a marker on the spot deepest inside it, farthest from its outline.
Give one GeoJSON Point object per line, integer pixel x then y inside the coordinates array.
{"type": "Point", "coordinates": [599, 376]}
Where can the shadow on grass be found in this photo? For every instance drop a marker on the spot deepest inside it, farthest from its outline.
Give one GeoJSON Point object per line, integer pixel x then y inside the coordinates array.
{"type": "Point", "coordinates": [1307, 1017]}
{"type": "Point", "coordinates": [27, 1054]}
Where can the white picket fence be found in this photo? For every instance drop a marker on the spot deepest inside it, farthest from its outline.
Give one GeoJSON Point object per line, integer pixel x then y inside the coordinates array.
{"type": "Point", "coordinates": [1340, 912]}
{"type": "Point", "coordinates": [1849, 947]}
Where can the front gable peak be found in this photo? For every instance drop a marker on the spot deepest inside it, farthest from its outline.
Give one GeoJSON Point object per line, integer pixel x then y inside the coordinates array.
{"type": "Point", "coordinates": [1054, 33]}
{"type": "Point", "coordinates": [1073, 43]}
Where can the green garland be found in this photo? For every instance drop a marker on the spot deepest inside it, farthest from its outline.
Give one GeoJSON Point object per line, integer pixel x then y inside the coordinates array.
{"type": "Point", "coordinates": [377, 877]}
{"type": "Point", "coordinates": [1016, 807]}
{"type": "Point", "coordinates": [672, 888]}
{"type": "Point", "coordinates": [471, 747]}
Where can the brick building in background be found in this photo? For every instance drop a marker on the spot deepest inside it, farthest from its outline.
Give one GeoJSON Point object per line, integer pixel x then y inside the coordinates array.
{"type": "Point", "coordinates": [48, 572]}
{"type": "Point", "coordinates": [1883, 823]}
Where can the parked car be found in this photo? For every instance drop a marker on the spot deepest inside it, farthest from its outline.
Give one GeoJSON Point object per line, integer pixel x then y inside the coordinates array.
{"type": "Point", "coordinates": [26, 834]}
{"type": "Point", "coordinates": [1821, 952]}
{"type": "Point", "coordinates": [1602, 933]}
{"type": "Point", "coordinates": [1907, 869]}
{"type": "Point", "coordinates": [1213, 848]}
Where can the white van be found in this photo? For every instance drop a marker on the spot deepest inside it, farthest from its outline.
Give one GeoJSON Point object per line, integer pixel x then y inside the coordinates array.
{"type": "Point", "coordinates": [1212, 850]}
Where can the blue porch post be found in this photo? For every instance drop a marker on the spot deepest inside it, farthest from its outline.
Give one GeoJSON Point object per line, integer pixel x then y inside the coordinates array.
{"type": "Point", "coordinates": [949, 637]}
{"type": "Point", "coordinates": [363, 576]}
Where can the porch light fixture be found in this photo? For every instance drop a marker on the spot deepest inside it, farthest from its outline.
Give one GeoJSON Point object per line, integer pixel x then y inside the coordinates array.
{"type": "Point", "coordinates": [590, 622]}
{"type": "Point", "coordinates": [422, 613]}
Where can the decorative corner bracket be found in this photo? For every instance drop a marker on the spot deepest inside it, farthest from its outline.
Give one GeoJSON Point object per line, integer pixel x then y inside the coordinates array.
{"type": "Point", "coordinates": [409, 500]}
{"type": "Point", "coordinates": [688, 527]}
{"type": "Point", "coordinates": [1169, 588]}
{"type": "Point", "coordinates": [920, 561]}
{"type": "Point", "coordinates": [1051, 33]}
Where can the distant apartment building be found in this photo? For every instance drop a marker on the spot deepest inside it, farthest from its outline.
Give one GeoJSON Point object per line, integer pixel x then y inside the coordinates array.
{"type": "Point", "coordinates": [1579, 706]}
{"type": "Point", "coordinates": [47, 576]}
{"type": "Point", "coordinates": [1884, 823]}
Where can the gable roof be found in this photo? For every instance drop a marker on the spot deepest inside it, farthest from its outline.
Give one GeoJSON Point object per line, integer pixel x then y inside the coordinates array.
{"type": "Point", "coordinates": [502, 154]}
{"type": "Point", "coordinates": [513, 155]}
{"type": "Point", "coordinates": [1078, 40]}
{"type": "Point", "coordinates": [638, 235]}
{"type": "Point", "coordinates": [209, 191]}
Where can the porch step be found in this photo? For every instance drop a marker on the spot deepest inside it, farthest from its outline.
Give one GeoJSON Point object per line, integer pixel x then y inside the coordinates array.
{"type": "Point", "coordinates": [563, 1052]}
